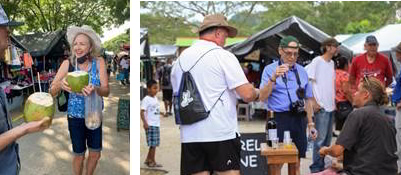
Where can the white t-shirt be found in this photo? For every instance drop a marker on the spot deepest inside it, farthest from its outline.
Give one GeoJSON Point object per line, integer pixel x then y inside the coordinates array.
{"type": "Point", "coordinates": [217, 71]}
{"type": "Point", "coordinates": [324, 85]}
{"type": "Point", "coordinates": [152, 110]}
{"type": "Point", "coordinates": [124, 64]}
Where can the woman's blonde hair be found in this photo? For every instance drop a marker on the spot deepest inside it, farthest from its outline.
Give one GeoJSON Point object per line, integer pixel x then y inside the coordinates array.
{"type": "Point", "coordinates": [92, 54]}
{"type": "Point", "coordinates": [376, 90]}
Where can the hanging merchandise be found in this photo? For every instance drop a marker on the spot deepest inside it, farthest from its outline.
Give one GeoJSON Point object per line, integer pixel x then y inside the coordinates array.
{"type": "Point", "coordinates": [15, 59]}
{"type": "Point", "coordinates": [7, 56]}
{"type": "Point", "coordinates": [27, 60]}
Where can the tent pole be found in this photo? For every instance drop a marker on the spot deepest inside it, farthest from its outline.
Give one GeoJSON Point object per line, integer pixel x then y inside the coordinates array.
{"type": "Point", "coordinates": [33, 80]}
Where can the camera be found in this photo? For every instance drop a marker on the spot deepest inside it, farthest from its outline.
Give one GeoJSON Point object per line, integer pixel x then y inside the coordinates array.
{"type": "Point", "coordinates": [297, 106]}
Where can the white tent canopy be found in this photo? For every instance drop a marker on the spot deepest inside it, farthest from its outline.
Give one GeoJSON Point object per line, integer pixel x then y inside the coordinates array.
{"type": "Point", "coordinates": [163, 51]}
{"type": "Point", "coordinates": [387, 36]}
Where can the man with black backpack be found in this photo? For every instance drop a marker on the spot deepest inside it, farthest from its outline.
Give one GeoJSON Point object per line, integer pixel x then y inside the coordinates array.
{"type": "Point", "coordinates": [166, 86]}
{"type": "Point", "coordinates": [206, 80]}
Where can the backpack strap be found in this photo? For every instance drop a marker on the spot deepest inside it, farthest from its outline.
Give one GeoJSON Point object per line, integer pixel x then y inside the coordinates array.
{"type": "Point", "coordinates": [196, 61]}
{"type": "Point", "coordinates": [194, 80]}
{"type": "Point", "coordinates": [216, 101]}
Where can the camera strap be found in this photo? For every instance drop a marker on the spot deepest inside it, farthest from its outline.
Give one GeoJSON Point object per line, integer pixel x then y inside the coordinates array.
{"type": "Point", "coordinates": [285, 81]}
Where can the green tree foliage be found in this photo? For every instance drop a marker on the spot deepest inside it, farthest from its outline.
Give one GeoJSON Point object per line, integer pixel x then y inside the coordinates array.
{"type": "Point", "coordinates": [51, 15]}
{"type": "Point", "coordinates": [176, 19]}
{"type": "Point", "coordinates": [116, 43]}
{"type": "Point", "coordinates": [171, 28]}
{"type": "Point", "coordinates": [335, 17]}
{"type": "Point", "coordinates": [279, 10]}
{"type": "Point", "coordinates": [332, 17]}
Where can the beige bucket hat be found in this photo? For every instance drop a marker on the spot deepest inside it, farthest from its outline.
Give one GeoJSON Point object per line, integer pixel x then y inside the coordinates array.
{"type": "Point", "coordinates": [217, 20]}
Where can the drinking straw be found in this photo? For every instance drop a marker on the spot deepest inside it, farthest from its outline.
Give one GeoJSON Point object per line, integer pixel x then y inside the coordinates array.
{"type": "Point", "coordinates": [40, 89]}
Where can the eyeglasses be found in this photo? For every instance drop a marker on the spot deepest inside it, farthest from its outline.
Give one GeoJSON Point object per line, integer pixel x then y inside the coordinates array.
{"type": "Point", "coordinates": [372, 44]}
{"type": "Point", "coordinates": [291, 54]}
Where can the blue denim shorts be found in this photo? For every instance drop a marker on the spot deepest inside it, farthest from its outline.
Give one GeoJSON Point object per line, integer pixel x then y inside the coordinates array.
{"type": "Point", "coordinates": [82, 137]}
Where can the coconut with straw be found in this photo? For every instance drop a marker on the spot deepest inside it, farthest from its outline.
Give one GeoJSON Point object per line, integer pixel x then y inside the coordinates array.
{"type": "Point", "coordinates": [39, 105]}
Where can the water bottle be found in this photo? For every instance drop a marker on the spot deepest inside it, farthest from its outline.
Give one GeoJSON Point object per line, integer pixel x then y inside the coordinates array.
{"type": "Point", "coordinates": [310, 143]}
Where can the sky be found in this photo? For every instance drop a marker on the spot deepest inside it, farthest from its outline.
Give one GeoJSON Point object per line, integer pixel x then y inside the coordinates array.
{"type": "Point", "coordinates": [113, 32]}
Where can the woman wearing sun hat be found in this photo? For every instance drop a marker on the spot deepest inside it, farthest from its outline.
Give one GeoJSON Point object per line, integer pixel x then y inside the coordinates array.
{"type": "Point", "coordinates": [85, 47]}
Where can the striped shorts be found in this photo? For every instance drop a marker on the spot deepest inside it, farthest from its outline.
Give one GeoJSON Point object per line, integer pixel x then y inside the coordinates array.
{"type": "Point", "coordinates": [153, 136]}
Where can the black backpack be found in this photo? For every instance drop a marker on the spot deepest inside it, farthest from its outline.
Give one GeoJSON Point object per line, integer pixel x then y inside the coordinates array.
{"type": "Point", "coordinates": [166, 75]}
{"type": "Point", "coordinates": [63, 107]}
{"type": "Point", "coordinates": [188, 102]}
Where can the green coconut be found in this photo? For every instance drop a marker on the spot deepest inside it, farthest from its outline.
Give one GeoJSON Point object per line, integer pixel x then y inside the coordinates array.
{"type": "Point", "coordinates": [37, 106]}
{"type": "Point", "coordinates": [77, 80]}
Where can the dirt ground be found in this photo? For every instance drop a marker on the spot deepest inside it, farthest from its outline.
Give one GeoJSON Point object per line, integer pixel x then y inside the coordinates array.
{"type": "Point", "coordinates": [50, 152]}
{"type": "Point", "coordinates": [168, 153]}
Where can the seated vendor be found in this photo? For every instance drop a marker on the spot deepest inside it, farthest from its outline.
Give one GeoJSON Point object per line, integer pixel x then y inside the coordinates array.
{"type": "Point", "coordinates": [367, 139]}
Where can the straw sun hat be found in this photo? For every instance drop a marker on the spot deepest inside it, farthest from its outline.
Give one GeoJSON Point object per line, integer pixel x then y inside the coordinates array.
{"type": "Point", "coordinates": [73, 31]}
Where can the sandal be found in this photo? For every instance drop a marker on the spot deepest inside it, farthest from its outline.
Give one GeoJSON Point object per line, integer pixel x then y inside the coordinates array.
{"type": "Point", "coordinates": [154, 165]}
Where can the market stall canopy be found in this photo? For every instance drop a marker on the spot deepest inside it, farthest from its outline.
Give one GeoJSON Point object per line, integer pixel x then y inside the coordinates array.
{"type": "Point", "coordinates": [268, 40]}
{"type": "Point", "coordinates": [17, 43]}
{"type": "Point", "coordinates": [387, 36]}
{"type": "Point", "coordinates": [187, 41]}
{"type": "Point", "coordinates": [163, 51]}
{"type": "Point", "coordinates": [144, 43]}
{"type": "Point", "coordinates": [145, 55]}
{"type": "Point", "coordinates": [42, 44]}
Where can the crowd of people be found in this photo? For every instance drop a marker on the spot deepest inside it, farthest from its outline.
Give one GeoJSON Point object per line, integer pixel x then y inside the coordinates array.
{"type": "Point", "coordinates": [305, 101]}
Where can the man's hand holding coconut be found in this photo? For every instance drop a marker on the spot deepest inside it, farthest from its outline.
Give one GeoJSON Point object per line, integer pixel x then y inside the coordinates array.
{"type": "Point", "coordinates": [36, 126]}
{"type": "Point", "coordinates": [39, 107]}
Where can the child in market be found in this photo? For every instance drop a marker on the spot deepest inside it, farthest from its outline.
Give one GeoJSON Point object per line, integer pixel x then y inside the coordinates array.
{"type": "Point", "coordinates": [150, 115]}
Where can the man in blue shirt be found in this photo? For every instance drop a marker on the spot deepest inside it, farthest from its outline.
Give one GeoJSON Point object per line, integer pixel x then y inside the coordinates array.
{"type": "Point", "coordinates": [396, 98]}
{"type": "Point", "coordinates": [8, 135]}
{"type": "Point", "coordinates": [287, 90]}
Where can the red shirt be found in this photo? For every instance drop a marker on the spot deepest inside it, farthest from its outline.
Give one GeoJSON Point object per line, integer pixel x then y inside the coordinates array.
{"type": "Point", "coordinates": [380, 69]}
{"type": "Point", "coordinates": [341, 78]}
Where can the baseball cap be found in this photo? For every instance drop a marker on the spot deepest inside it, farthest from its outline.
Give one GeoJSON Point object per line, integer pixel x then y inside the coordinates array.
{"type": "Point", "coordinates": [4, 21]}
{"type": "Point", "coordinates": [287, 40]}
{"type": "Point", "coordinates": [371, 39]}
